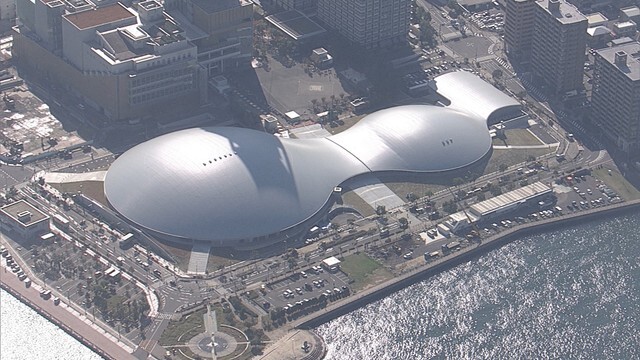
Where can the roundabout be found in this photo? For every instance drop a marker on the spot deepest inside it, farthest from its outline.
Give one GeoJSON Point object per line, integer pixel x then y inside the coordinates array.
{"type": "Point", "coordinates": [218, 341]}
{"type": "Point", "coordinates": [223, 343]}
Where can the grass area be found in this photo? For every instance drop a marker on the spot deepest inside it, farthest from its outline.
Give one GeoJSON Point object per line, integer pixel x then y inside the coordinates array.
{"type": "Point", "coordinates": [418, 188]}
{"type": "Point", "coordinates": [217, 257]}
{"type": "Point", "coordinates": [92, 189]}
{"type": "Point", "coordinates": [352, 199]}
{"type": "Point", "coordinates": [348, 122]}
{"type": "Point", "coordinates": [181, 254]}
{"type": "Point", "coordinates": [512, 157]}
{"type": "Point", "coordinates": [617, 183]}
{"type": "Point", "coordinates": [180, 331]}
{"type": "Point", "coordinates": [217, 261]}
{"type": "Point", "coordinates": [364, 271]}
{"type": "Point", "coordinates": [517, 137]}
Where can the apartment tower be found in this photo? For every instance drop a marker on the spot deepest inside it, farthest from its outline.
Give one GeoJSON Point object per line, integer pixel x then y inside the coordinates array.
{"type": "Point", "coordinates": [615, 99]}
{"type": "Point", "coordinates": [369, 23]}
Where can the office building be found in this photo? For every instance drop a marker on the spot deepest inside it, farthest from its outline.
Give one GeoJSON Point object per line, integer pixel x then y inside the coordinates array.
{"type": "Point", "coordinates": [518, 28]}
{"type": "Point", "coordinates": [300, 5]}
{"type": "Point", "coordinates": [132, 62]}
{"type": "Point", "coordinates": [615, 99]}
{"type": "Point", "coordinates": [558, 45]}
{"type": "Point", "coordinates": [368, 23]}
{"type": "Point", "coordinates": [222, 30]}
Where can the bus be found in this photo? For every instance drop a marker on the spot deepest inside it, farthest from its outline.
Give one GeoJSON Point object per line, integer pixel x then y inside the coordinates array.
{"type": "Point", "coordinates": [126, 240]}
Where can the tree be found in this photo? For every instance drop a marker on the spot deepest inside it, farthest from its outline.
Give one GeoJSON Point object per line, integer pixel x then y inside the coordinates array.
{"type": "Point", "coordinates": [481, 197]}
{"type": "Point", "coordinates": [381, 209]}
{"type": "Point", "coordinates": [496, 74]}
{"type": "Point", "coordinates": [503, 167]}
{"type": "Point", "coordinates": [404, 223]}
{"type": "Point", "coordinates": [428, 194]}
{"type": "Point", "coordinates": [457, 181]}
{"type": "Point", "coordinates": [450, 206]}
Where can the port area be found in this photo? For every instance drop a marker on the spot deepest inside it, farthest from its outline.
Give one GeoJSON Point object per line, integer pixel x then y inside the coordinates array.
{"type": "Point", "coordinates": [288, 347]}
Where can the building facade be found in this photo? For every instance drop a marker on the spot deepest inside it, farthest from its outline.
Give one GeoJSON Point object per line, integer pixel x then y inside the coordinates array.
{"type": "Point", "coordinates": [518, 28]}
{"type": "Point", "coordinates": [222, 31]}
{"type": "Point", "coordinates": [131, 62]}
{"type": "Point", "coordinates": [615, 99]}
{"type": "Point", "coordinates": [23, 219]}
{"type": "Point", "coordinates": [558, 45]}
{"type": "Point", "coordinates": [300, 5]}
{"type": "Point", "coordinates": [368, 23]}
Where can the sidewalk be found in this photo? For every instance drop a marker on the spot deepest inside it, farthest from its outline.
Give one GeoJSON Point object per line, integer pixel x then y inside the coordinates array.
{"type": "Point", "coordinates": [289, 347]}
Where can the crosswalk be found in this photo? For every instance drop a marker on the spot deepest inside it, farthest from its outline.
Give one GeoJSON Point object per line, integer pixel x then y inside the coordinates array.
{"type": "Point", "coordinates": [505, 64]}
{"type": "Point", "coordinates": [531, 89]}
{"type": "Point", "coordinates": [163, 316]}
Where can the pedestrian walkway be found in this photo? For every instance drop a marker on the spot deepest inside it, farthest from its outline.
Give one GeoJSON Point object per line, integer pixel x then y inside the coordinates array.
{"type": "Point", "coordinates": [375, 193]}
{"type": "Point", "coordinates": [368, 187]}
{"type": "Point", "coordinates": [314, 131]}
{"type": "Point", "coordinates": [60, 178]}
{"type": "Point", "coordinates": [199, 258]}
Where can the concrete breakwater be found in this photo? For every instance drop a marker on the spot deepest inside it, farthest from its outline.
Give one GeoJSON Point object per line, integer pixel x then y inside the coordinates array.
{"type": "Point", "coordinates": [66, 321]}
{"type": "Point", "coordinates": [468, 253]}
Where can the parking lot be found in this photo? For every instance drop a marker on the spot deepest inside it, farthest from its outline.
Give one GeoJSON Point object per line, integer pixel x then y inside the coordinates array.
{"type": "Point", "coordinates": [301, 287]}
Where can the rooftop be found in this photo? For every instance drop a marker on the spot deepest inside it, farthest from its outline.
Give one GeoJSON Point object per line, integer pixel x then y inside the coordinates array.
{"type": "Point", "coordinates": [214, 6]}
{"type": "Point", "coordinates": [466, 91]}
{"type": "Point", "coordinates": [567, 13]}
{"type": "Point", "coordinates": [596, 19]}
{"type": "Point", "coordinates": [631, 68]}
{"type": "Point", "coordinates": [631, 11]}
{"type": "Point", "coordinates": [506, 199]}
{"type": "Point", "coordinates": [295, 24]}
{"type": "Point", "coordinates": [95, 17]}
{"type": "Point", "coordinates": [19, 207]}
{"type": "Point", "coordinates": [598, 30]}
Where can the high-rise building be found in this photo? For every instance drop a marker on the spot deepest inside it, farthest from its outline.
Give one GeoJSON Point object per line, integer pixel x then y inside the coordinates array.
{"type": "Point", "coordinates": [558, 45]}
{"type": "Point", "coordinates": [518, 28]}
{"type": "Point", "coordinates": [369, 23]}
{"type": "Point", "coordinates": [301, 5]}
{"type": "Point", "coordinates": [615, 99]}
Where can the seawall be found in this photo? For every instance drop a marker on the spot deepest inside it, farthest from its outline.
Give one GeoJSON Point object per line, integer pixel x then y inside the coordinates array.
{"type": "Point", "coordinates": [471, 252]}
{"type": "Point", "coordinates": [62, 318]}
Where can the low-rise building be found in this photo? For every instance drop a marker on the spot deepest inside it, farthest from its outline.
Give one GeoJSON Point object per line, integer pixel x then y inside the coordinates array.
{"type": "Point", "coordinates": [23, 219]}
{"type": "Point", "coordinates": [496, 207]}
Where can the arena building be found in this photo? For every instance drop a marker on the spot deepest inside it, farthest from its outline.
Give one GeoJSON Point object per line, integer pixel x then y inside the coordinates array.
{"type": "Point", "coordinates": [245, 188]}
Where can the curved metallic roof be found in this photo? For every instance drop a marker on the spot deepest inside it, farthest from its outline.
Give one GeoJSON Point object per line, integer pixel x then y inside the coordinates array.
{"type": "Point", "coordinates": [416, 138]}
{"type": "Point", "coordinates": [222, 183]}
{"type": "Point", "coordinates": [469, 93]}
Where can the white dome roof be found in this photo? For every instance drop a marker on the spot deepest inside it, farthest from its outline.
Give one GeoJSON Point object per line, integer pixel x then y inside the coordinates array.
{"type": "Point", "coordinates": [226, 184]}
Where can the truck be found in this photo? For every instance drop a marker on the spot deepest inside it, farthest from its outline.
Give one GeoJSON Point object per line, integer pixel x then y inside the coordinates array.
{"type": "Point", "coordinates": [61, 221]}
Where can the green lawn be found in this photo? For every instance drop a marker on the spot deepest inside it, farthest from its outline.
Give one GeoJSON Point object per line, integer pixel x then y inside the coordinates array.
{"type": "Point", "coordinates": [179, 332]}
{"type": "Point", "coordinates": [92, 189]}
{"type": "Point", "coordinates": [517, 137]}
{"type": "Point", "coordinates": [364, 271]}
{"type": "Point", "coordinates": [617, 183]}
{"type": "Point", "coordinates": [511, 157]}
{"type": "Point", "coordinates": [352, 199]}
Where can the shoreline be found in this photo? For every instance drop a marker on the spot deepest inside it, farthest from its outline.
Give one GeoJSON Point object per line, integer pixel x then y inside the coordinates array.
{"type": "Point", "coordinates": [63, 319]}
{"type": "Point", "coordinates": [402, 281]}
{"type": "Point", "coordinates": [105, 347]}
